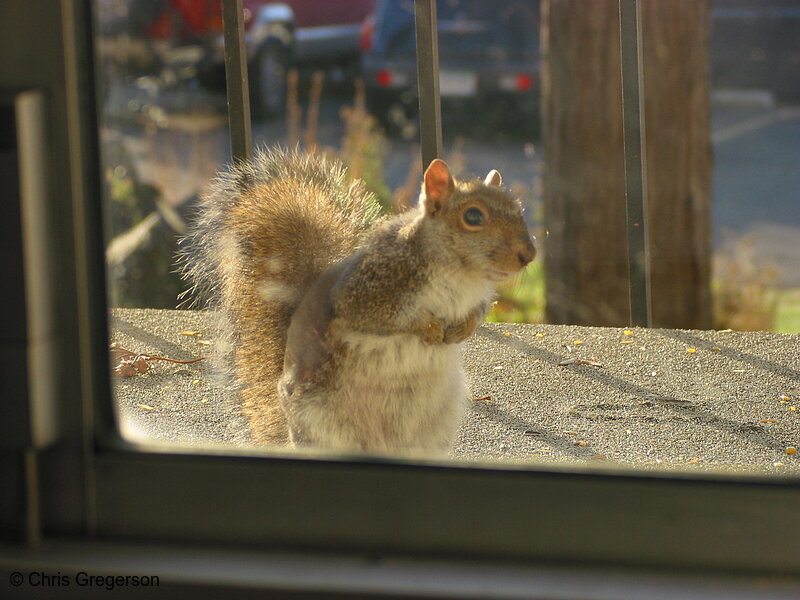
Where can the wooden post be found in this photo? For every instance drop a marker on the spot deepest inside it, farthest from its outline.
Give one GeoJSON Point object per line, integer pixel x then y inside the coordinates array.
{"type": "Point", "coordinates": [586, 252]}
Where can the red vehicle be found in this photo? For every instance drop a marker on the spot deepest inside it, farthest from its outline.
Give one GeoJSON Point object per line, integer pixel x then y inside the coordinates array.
{"type": "Point", "coordinates": [278, 35]}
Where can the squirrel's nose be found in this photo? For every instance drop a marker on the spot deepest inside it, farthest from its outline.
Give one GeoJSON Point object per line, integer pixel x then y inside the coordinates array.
{"type": "Point", "coordinates": [526, 255]}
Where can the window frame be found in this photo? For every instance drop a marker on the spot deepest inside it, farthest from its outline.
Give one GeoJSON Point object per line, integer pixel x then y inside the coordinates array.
{"type": "Point", "coordinates": [96, 485]}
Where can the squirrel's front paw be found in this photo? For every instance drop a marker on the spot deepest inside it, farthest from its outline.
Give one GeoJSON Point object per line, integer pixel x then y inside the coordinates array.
{"type": "Point", "coordinates": [458, 332]}
{"type": "Point", "coordinates": [432, 329]}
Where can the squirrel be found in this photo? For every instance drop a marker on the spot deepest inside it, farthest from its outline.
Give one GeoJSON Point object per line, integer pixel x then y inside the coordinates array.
{"type": "Point", "coordinates": [346, 327]}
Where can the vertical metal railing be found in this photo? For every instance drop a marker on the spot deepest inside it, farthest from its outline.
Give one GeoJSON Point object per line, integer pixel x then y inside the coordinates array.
{"type": "Point", "coordinates": [630, 31]}
{"type": "Point", "coordinates": [430, 112]}
{"type": "Point", "coordinates": [430, 119]}
{"type": "Point", "coordinates": [236, 81]}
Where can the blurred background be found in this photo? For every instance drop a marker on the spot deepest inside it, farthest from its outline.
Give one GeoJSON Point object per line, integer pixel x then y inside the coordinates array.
{"type": "Point", "coordinates": [530, 88]}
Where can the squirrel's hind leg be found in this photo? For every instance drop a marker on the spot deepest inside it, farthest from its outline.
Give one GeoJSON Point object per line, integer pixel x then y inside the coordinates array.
{"type": "Point", "coordinates": [260, 402]}
{"type": "Point", "coordinates": [265, 418]}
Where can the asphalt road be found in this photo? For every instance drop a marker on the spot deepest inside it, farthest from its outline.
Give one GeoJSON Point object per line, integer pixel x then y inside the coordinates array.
{"type": "Point", "coordinates": [656, 399]}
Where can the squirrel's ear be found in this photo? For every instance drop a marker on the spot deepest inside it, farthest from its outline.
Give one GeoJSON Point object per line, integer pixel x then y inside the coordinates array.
{"type": "Point", "coordinates": [438, 185]}
{"type": "Point", "coordinates": [493, 178]}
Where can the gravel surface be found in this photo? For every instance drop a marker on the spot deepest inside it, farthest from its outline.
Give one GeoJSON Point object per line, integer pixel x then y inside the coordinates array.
{"type": "Point", "coordinates": [657, 399]}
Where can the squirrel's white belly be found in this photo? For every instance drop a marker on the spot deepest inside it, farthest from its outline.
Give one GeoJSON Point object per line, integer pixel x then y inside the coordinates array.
{"type": "Point", "coordinates": [393, 392]}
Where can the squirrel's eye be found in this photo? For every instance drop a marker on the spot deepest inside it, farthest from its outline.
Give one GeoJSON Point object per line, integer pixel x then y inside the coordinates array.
{"type": "Point", "coordinates": [474, 217]}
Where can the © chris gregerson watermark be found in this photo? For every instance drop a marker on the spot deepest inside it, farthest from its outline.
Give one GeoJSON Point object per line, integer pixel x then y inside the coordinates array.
{"type": "Point", "coordinates": [81, 579]}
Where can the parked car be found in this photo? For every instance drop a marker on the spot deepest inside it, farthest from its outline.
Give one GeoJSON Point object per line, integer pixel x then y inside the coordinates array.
{"type": "Point", "coordinates": [488, 59]}
{"type": "Point", "coordinates": [756, 44]}
{"type": "Point", "coordinates": [186, 35]}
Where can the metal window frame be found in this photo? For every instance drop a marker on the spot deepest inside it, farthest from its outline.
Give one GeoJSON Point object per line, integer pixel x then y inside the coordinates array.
{"type": "Point", "coordinates": [430, 111]}
{"type": "Point", "coordinates": [95, 485]}
{"type": "Point", "coordinates": [630, 32]}
{"type": "Point", "coordinates": [353, 503]}
{"type": "Point", "coordinates": [237, 85]}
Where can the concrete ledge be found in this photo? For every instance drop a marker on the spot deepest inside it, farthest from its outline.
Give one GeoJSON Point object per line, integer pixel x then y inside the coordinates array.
{"type": "Point", "coordinates": [659, 398]}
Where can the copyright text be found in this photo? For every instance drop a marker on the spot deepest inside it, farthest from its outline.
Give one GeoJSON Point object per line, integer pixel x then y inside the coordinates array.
{"type": "Point", "coordinates": [81, 579]}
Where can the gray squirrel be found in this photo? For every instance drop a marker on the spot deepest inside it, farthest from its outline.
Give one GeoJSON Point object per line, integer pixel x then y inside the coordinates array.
{"type": "Point", "coordinates": [346, 327]}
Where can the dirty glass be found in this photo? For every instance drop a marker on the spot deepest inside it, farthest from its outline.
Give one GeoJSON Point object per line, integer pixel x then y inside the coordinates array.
{"type": "Point", "coordinates": [714, 384]}
{"type": "Point", "coordinates": [532, 89]}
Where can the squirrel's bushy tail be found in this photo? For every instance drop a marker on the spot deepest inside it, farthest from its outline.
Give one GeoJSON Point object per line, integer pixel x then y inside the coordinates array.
{"type": "Point", "coordinates": [264, 231]}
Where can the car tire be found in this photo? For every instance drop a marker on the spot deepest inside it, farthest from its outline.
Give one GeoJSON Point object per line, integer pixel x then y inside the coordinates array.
{"type": "Point", "coordinates": [529, 122]}
{"type": "Point", "coordinates": [396, 119]}
{"type": "Point", "coordinates": [268, 81]}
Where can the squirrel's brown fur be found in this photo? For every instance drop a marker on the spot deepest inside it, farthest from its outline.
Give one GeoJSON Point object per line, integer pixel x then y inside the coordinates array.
{"type": "Point", "coordinates": [283, 218]}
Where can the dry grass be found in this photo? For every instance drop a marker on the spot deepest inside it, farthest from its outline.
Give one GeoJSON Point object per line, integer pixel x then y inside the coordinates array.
{"type": "Point", "coordinates": [743, 287]}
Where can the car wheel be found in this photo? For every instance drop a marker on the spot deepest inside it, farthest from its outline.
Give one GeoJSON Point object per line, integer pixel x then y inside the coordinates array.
{"type": "Point", "coordinates": [530, 120]}
{"type": "Point", "coordinates": [269, 81]}
{"type": "Point", "coordinates": [396, 119]}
